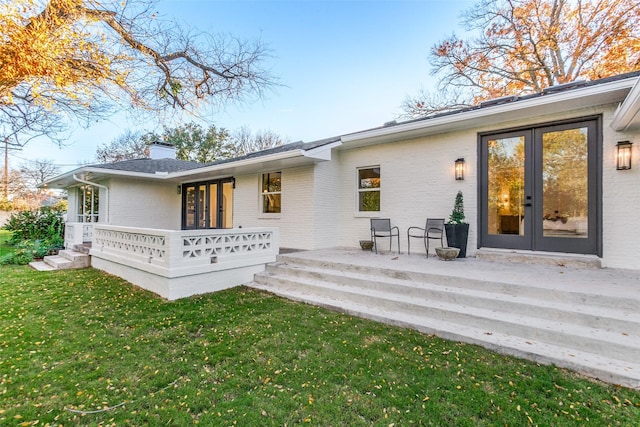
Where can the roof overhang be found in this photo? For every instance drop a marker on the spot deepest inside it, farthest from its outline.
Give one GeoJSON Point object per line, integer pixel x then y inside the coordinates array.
{"type": "Point", "coordinates": [552, 103]}
{"type": "Point", "coordinates": [627, 115]}
{"type": "Point", "coordinates": [282, 160]}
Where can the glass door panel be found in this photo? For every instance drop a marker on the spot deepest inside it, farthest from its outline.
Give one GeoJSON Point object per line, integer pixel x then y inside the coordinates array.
{"type": "Point", "coordinates": [506, 185]}
{"type": "Point", "coordinates": [565, 184]}
{"type": "Point", "coordinates": [566, 188]}
{"type": "Point", "coordinates": [227, 205]}
{"type": "Point", "coordinates": [189, 206]}
{"type": "Point", "coordinates": [202, 207]}
{"type": "Point", "coordinates": [506, 197]}
{"type": "Point", "coordinates": [213, 203]}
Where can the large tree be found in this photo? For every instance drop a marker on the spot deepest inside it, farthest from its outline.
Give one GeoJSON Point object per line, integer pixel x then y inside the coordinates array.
{"type": "Point", "coordinates": [523, 46]}
{"type": "Point", "coordinates": [192, 142]}
{"type": "Point", "coordinates": [195, 143]}
{"type": "Point", "coordinates": [36, 172]}
{"type": "Point", "coordinates": [245, 141]}
{"type": "Point", "coordinates": [130, 145]}
{"type": "Point", "coordinates": [78, 58]}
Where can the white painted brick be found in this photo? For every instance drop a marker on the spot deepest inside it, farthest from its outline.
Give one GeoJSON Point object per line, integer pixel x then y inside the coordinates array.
{"type": "Point", "coordinates": [143, 204]}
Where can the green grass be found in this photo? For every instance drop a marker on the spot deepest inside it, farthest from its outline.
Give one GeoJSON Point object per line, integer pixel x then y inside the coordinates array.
{"type": "Point", "coordinates": [5, 248]}
{"type": "Point", "coordinates": [86, 341]}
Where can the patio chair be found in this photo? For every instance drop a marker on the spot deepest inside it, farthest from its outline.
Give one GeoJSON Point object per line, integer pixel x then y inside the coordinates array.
{"type": "Point", "coordinates": [381, 227]}
{"type": "Point", "coordinates": [433, 229]}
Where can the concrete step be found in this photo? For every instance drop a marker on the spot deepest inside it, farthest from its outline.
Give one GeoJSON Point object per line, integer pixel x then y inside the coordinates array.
{"type": "Point", "coordinates": [514, 285]}
{"type": "Point", "coordinates": [41, 266]}
{"type": "Point", "coordinates": [68, 259]}
{"type": "Point", "coordinates": [84, 248]}
{"type": "Point", "coordinates": [539, 258]}
{"type": "Point", "coordinates": [562, 308]}
{"type": "Point", "coordinates": [496, 319]}
{"type": "Point", "coordinates": [595, 334]}
{"type": "Point", "coordinates": [597, 366]}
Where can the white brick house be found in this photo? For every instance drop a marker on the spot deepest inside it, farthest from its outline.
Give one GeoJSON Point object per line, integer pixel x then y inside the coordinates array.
{"type": "Point", "coordinates": [540, 175]}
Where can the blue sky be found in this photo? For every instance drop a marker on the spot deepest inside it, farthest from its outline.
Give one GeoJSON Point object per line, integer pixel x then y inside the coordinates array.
{"type": "Point", "coordinates": [344, 66]}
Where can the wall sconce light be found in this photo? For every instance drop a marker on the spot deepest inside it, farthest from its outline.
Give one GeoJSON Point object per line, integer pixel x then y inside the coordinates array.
{"type": "Point", "coordinates": [459, 171]}
{"type": "Point", "coordinates": [623, 159]}
{"type": "Point", "coordinates": [179, 189]}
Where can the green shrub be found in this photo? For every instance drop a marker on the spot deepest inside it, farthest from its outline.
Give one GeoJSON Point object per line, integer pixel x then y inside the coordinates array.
{"type": "Point", "coordinates": [21, 256]}
{"type": "Point", "coordinates": [36, 234]}
{"type": "Point", "coordinates": [46, 223]}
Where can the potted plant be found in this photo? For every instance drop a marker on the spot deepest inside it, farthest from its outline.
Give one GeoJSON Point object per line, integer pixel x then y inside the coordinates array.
{"type": "Point", "coordinates": [457, 229]}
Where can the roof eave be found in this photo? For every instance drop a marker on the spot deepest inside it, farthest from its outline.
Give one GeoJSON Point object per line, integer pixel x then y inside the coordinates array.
{"type": "Point", "coordinates": [627, 115]}
{"type": "Point", "coordinates": [282, 160]}
{"type": "Point", "coordinates": [601, 94]}
{"type": "Point", "coordinates": [92, 173]}
{"type": "Point", "coordinates": [290, 158]}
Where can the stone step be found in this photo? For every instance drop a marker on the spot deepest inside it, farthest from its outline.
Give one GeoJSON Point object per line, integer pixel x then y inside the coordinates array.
{"type": "Point", "coordinates": [581, 327]}
{"type": "Point", "coordinates": [603, 367]}
{"type": "Point", "coordinates": [516, 285]}
{"type": "Point", "coordinates": [41, 266]}
{"type": "Point", "coordinates": [575, 335]}
{"type": "Point", "coordinates": [539, 258]}
{"type": "Point", "coordinates": [83, 248]}
{"type": "Point", "coordinates": [68, 259]}
{"type": "Point", "coordinates": [624, 322]}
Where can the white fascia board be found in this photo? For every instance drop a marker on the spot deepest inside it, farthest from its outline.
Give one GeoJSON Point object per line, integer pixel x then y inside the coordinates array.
{"type": "Point", "coordinates": [323, 152]}
{"type": "Point", "coordinates": [66, 179]}
{"type": "Point", "coordinates": [600, 94]}
{"type": "Point", "coordinates": [239, 165]}
{"type": "Point", "coordinates": [628, 113]}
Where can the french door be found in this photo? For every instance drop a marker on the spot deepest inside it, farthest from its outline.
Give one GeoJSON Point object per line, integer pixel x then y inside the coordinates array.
{"type": "Point", "coordinates": [207, 204]}
{"type": "Point", "coordinates": [540, 188]}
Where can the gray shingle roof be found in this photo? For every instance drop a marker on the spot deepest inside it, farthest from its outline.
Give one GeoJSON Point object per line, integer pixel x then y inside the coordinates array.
{"type": "Point", "coordinates": [299, 145]}
{"type": "Point", "coordinates": [150, 165]}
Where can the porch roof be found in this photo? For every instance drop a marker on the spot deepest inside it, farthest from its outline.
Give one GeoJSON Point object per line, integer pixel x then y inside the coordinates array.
{"type": "Point", "coordinates": [178, 171]}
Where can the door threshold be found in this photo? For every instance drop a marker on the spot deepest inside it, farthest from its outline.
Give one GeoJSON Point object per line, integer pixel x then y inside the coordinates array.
{"type": "Point", "coordinates": [542, 258]}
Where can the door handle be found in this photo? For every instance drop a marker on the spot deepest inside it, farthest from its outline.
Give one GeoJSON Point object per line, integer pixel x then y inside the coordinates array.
{"type": "Point", "coordinates": [527, 204]}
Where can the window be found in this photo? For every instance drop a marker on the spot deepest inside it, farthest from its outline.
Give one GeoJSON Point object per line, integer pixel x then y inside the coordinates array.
{"type": "Point", "coordinates": [369, 189]}
{"type": "Point", "coordinates": [271, 192]}
{"type": "Point", "coordinates": [88, 206]}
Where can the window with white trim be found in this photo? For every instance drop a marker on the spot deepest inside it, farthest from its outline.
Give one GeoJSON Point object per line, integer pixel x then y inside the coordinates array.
{"type": "Point", "coordinates": [271, 192]}
{"type": "Point", "coordinates": [369, 189]}
{"type": "Point", "coordinates": [88, 203]}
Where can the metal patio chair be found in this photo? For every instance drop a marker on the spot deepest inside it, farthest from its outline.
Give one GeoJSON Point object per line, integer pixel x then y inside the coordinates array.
{"type": "Point", "coordinates": [433, 229]}
{"type": "Point", "coordinates": [381, 227]}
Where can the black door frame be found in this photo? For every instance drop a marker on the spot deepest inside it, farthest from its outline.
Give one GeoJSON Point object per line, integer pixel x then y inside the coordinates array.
{"type": "Point", "coordinates": [535, 240]}
{"type": "Point", "coordinates": [219, 197]}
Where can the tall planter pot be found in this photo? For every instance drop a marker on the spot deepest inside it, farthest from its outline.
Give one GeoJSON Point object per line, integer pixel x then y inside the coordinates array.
{"type": "Point", "coordinates": [457, 235]}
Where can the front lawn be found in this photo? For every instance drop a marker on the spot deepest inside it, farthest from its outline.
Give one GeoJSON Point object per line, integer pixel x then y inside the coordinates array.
{"type": "Point", "coordinates": [5, 248]}
{"type": "Point", "coordinates": [85, 348]}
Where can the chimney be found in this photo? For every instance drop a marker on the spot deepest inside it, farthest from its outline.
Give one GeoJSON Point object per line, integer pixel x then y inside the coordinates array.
{"type": "Point", "coordinates": [162, 150]}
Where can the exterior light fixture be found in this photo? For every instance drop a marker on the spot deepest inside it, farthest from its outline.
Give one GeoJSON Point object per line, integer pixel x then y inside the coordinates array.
{"type": "Point", "coordinates": [623, 158]}
{"type": "Point", "coordinates": [459, 170]}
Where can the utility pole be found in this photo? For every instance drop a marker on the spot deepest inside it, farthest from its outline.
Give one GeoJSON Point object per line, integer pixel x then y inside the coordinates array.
{"type": "Point", "coordinates": [6, 168]}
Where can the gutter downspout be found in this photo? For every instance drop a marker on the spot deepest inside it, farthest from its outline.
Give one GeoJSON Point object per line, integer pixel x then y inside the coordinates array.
{"type": "Point", "coordinates": [106, 190]}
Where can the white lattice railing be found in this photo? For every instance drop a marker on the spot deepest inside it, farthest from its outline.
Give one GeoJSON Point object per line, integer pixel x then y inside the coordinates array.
{"type": "Point", "coordinates": [187, 250]}
{"type": "Point", "coordinates": [87, 232]}
{"type": "Point", "coordinates": [77, 233]}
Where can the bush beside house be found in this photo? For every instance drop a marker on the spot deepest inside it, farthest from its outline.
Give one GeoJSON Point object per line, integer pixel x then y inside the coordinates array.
{"type": "Point", "coordinates": [35, 234]}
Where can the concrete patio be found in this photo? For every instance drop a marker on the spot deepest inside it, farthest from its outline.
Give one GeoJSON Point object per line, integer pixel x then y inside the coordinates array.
{"type": "Point", "coordinates": [559, 310]}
